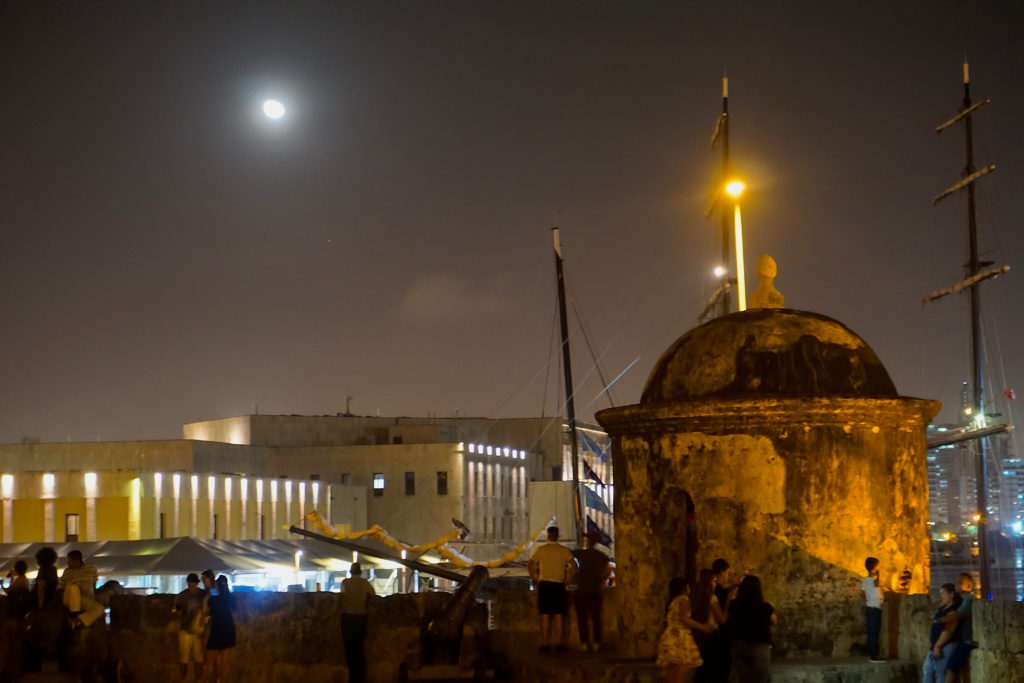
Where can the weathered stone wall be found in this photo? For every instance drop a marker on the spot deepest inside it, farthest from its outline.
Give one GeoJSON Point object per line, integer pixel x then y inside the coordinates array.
{"type": "Point", "coordinates": [286, 636]}
{"type": "Point", "coordinates": [295, 636]}
{"type": "Point", "coordinates": [516, 623]}
{"type": "Point", "coordinates": [796, 491]}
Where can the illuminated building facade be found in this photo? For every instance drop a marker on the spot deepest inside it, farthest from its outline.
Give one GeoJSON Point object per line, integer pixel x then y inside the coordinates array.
{"type": "Point", "coordinates": [128, 504]}
{"type": "Point", "coordinates": [249, 477]}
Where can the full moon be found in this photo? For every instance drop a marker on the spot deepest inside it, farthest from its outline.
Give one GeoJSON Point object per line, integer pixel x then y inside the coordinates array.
{"type": "Point", "coordinates": [273, 109]}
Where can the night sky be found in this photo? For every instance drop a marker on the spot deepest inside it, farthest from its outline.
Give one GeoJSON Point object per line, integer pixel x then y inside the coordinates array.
{"type": "Point", "coordinates": [169, 254]}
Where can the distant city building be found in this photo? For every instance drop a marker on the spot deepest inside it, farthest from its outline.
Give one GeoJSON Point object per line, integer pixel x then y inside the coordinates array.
{"type": "Point", "coordinates": [952, 477]}
{"type": "Point", "coordinates": [249, 477]}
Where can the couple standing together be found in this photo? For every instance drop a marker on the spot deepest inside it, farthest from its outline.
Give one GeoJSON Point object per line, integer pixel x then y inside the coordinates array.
{"type": "Point", "coordinates": [196, 606]}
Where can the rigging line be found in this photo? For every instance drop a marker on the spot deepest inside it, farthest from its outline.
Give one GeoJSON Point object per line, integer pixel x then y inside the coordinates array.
{"type": "Point", "coordinates": [1008, 402]}
{"type": "Point", "coordinates": [545, 365]}
{"type": "Point", "coordinates": [547, 362]}
{"type": "Point", "coordinates": [593, 356]}
{"type": "Point", "coordinates": [582, 329]}
{"type": "Point", "coordinates": [616, 379]}
{"type": "Point", "coordinates": [518, 390]}
{"type": "Point", "coordinates": [641, 260]}
{"type": "Point", "coordinates": [604, 384]}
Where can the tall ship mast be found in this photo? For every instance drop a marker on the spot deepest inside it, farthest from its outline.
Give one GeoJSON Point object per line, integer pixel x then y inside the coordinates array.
{"type": "Point", "coordinates": [570, 406]}
{"type": "Point", "coordinates": [977, 271]}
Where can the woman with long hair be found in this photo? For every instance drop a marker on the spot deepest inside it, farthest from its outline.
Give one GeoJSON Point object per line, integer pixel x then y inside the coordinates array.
{"type": "Point", "coordinates": [222, 628]}
{"type": "Point", "coordinates": [751, 619]}
{"type": "Point", "coordinates": [705, 609]}
{"type": "Point", "coordinates": [677, 651]}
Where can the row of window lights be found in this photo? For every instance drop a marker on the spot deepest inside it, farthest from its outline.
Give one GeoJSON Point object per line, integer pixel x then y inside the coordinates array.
{"type": "Point", "coordinates": [506, 452]}
{"type": "Point", "coordinates": [49, 482]}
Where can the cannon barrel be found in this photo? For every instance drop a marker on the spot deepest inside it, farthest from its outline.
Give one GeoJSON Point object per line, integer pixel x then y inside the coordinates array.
{"type": "Point", "coordinates": [447, 626]}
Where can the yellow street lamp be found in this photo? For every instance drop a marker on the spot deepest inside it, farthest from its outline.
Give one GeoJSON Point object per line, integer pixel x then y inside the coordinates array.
{"type": "Point", "coordinates": [735, 189]}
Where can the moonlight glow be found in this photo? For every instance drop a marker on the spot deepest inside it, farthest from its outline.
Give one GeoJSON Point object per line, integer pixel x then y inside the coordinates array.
{"type": "Point", "coordinates": [273, 109]}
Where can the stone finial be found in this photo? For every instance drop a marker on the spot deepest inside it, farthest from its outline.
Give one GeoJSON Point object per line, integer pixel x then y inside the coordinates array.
{"type": "Point", "coordinates": [766, 295]}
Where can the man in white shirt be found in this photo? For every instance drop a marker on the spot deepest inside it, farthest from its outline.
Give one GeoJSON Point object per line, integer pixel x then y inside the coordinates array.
{"type": "Point", "coordinates": [79, 584]}
{"type": "Point", "coordinates": [873, 607]}
{"type": "Point", "coordinates": [552, 568]}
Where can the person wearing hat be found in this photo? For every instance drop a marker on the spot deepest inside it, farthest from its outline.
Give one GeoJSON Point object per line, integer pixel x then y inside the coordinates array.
{"type": "Point", "coordinates": [591, 578]}
{"type": "Point", "coordinates": [355, 593]}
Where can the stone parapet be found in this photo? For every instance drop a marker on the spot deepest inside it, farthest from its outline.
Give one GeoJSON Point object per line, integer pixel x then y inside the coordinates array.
{"type": "Point", "coordinates": [287, 636]}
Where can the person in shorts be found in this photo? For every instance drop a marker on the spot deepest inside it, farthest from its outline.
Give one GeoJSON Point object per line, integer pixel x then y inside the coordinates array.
{"type": "Point", "coordinates": [188, 605]}
{"type": "Point", "coordinates": [552, 568]}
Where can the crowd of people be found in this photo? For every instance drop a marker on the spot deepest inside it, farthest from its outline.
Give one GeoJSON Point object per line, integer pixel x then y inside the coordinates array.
{"type": "Point", "coordinates": [951, 637]}
{"type": "Point", "coordinates": [42, 618]}
{"type": "Point", "coordinates": [714, 628]}
{"type": "Point", "coordinates": [711, 628]}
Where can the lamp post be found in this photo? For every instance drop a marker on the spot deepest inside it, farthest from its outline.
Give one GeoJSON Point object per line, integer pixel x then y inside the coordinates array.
{"type": "Point", "coordinates": [735, 189]}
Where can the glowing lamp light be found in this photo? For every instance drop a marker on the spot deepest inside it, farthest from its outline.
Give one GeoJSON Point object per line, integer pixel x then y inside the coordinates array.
{"type": "Point", "coordinates": [273, 109]}
{"type": "Point", "coordinates": [735, 188]}
{"type": "Point", "coordinates": [968, 410]}
{"type": "Point", "coordinates": [720, 271]}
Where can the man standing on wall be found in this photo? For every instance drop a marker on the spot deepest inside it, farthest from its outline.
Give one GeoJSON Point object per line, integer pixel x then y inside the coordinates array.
{"type": "Point", "coordinates": [873, 607]}
{"type": "Point", "coordinates": [552, 568]}
{"type": "Point", "coordinates": [355, 593]}
{"type": "Point", "coordinates": [592, 577]}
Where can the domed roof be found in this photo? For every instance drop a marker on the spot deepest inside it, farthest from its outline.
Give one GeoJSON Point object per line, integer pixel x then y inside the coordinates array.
{"type": "Point", "coordinates": [768, 352]}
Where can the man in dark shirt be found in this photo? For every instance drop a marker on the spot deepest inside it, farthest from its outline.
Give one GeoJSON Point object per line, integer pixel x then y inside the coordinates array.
{"type": "Point", "coordinates": [355, 593]}
{"type": "Point", "coordinates": [46, 579]}
{"type": "Point", "coordinates": [591, 578]}
{"type": "Point", "coordinates": [188, 605]}
{"type": "Point", "coordinates": [718, 665]}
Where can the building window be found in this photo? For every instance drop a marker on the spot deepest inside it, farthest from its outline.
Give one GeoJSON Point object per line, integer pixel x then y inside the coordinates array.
{"type": "Point", "coordinates": [314, 477]}
{"type": "Point", "coordinates": [410, 483]}
{"type": "Point", "coordinates": [346, 479]}
{"type": "Point", "coordinates": [163, 525]}
{"type": "Point", "coordinates": [71, 528]}
{"type": "Point", "coordinates": [396, 439]}
{"type": "Point", "coordinates": [263, 528]}
{"type": "Point", "coordinates": [442, 483]}
{"type": "Point", "coordinates": [378, 484]}
{"type": "Point", "coordinates": [216, 525]}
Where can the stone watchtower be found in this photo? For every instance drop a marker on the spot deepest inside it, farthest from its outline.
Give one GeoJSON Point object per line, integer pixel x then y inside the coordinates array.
{"type": "Point", "coordinates": [773, 438]}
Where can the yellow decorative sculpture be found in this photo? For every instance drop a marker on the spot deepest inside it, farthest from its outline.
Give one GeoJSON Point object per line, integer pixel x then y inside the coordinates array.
{"type": "Point", "coordinates": [440, 546]}
{"type": "Point", "coordinates": [766, 295]}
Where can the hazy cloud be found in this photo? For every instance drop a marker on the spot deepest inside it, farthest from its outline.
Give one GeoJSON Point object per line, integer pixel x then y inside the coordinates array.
{"type": "Point", "coordinates": [444, 296]}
